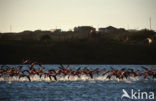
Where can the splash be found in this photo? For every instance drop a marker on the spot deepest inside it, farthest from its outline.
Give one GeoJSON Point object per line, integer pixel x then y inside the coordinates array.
{"type": "Point", "coordinates": [75, 78]}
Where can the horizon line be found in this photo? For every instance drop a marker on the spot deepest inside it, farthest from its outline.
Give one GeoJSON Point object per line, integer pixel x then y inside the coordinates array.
{"type": "Point", "coordinates": [69, 29]}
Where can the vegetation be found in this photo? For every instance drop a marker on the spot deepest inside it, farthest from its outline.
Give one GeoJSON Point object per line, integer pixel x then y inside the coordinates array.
{"type": "Point", "coordinates": [117, 46]}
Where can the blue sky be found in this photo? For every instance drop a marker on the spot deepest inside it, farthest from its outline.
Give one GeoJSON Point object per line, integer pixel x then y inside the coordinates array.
{"type": "Point", "coordinates": [65, 14]}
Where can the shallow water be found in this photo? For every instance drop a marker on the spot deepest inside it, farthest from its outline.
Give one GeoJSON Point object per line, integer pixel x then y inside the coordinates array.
{"type": "Point", "coordinates": [74, 88]}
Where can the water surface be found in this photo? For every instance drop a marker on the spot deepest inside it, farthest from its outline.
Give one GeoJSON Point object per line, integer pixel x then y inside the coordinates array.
{"type": "Point", "coordinates": [74, 89]}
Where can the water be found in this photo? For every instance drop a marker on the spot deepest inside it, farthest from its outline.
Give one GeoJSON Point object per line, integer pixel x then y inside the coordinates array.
{"type": "Point", "coordinates": [75, 89]}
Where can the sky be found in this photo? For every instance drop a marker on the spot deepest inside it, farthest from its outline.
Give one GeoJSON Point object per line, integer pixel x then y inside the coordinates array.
{"type": "Point", "coordinates": [20, 15]}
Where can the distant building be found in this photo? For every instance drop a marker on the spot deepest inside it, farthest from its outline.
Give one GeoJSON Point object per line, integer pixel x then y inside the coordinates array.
{"type": "Point", "coordinates": [87, 29]}
{"type": "Point", "coordinates": [107, 29]}
{"type": "Point", "coordinates": [102, 30]}
{"type": "Point", "coordinates": [55, 30]}
{"type": "Point", "coordinates": [132, 30]}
